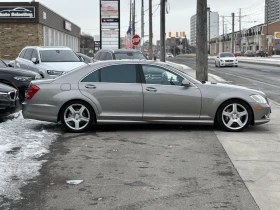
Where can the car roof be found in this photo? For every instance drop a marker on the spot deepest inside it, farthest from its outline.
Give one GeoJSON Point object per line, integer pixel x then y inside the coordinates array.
{"type": "Point", "coordinates": [130, 61]}
{"type": "Point", "coordinates": [119, 50]}
{"type": "Point", "coordinates": [48, 48]}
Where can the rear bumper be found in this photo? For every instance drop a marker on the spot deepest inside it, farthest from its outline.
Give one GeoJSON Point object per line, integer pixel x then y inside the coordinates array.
{"type": "Point", "coordinates": [42, 112]}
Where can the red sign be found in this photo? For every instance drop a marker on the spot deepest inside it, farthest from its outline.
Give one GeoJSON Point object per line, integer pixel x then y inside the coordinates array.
{"type": "Point", "coordinates": [136, 40]}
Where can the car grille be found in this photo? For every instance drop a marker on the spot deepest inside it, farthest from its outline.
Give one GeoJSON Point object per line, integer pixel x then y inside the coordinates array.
{"type": "Point", "coordinates": [14, 95]}
{"type": "Point", "coordinates": [229, 61]}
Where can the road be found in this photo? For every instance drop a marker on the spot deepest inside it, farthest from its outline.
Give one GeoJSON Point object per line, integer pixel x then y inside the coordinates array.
{"type": "Point", "coordinates": [261, 77]}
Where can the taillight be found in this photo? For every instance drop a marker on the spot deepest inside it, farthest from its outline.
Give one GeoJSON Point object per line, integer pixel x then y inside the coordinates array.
{"type": "Point", "coordinates": [33, 89]}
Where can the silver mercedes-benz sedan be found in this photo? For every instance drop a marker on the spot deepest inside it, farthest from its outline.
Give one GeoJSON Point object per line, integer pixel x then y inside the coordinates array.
{"type": "Point", "coordinates": [141, 92]}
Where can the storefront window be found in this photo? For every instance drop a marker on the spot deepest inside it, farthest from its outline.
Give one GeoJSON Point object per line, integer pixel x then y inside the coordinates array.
{"type": "Point", "coordinates": [53, 37]}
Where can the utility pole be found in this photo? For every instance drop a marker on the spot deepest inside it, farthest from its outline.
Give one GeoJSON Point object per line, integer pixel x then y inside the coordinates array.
{"type": "Point", "coordinates": [201, 41]}
{"type": "Point", "coordinates": [142, 26]}
{"type": "Point", "coordinates": [130, 15]}
{"type": "Point", "coordinates": [162, 30]}
{"type": "Point", "coordinates": [223, 33]}
{"type": "Point", "coordinates": [133, 20]}
{"type": "Point", "coordinates": [185, 44]}
{"type": "Point", "coordinates": [240, 38]}
{"type": "Point", "coordinates": [232, 34]}
{"type": "Point", "coordinates": [209, 26]}
{"type": "Point", "coordinates": [266, 4]}
{"type": "Point", "coordinates": [150, 30]}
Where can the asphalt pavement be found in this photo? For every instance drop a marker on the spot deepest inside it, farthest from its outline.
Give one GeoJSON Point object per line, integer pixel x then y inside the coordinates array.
{"type": "Point", "coordinates": [151, 167]}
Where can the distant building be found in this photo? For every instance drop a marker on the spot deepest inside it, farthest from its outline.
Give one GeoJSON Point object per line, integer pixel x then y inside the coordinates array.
{"type": "Point", "coordinates": [253, 38]}
{"type": "Point", "coordinates": [273, 11]}
{"type": "Point", "coordinates": [123, 42]}
{"type": "Point", "coordinates": [214, 27]}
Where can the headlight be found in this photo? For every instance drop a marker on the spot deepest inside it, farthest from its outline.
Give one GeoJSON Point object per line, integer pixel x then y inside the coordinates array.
{"type": "Point", "coordinates": [260, 99]}
{"type": "Point", "coordinates": [24, 79]}
{"type": "Point", "coordinates": [222, 60]}
{"type": "Point", "coordinates": [38, 76]}
{"type": "Point", "coordinates": [52, 72]}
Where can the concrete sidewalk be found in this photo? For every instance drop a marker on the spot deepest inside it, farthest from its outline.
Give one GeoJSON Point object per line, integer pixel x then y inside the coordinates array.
{"type": "Point", "coordinates": [255, 153]}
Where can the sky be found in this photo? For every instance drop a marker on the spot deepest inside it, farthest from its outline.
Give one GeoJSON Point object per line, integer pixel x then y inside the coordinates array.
{"type": "Point", "coordinates": [85, 13]}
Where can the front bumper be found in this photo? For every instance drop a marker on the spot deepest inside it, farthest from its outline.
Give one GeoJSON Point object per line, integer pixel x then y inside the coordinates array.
{"type": "Point", "coordinates": [261, 116]}
{"type": "Point", "coordinates": [8, 107]}
{"type": "Point", "coordinates": [234, 63]}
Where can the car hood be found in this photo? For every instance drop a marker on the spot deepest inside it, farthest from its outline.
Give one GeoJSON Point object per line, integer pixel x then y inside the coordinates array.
{"type": "Point", "coordinates": [227, 58]}
{"type": "Point", "coordinates": [5, 88]}
{"type": "Point", "coordinates": [61, 66]}
{"type": "Point", "coordinates": [222, 86]}
{"type": "Point", "coordinates": [19, 72]}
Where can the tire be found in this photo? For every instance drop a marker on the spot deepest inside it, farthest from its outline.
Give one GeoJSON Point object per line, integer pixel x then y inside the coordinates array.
{"type": "Point", "coordinates": [80, 114]}
{"type": "Point", "coordinates": [215, 64]}
{"type": "Point", "coordinates": [219, 65]}
{"type": "Point", "coordinates": [236, 66]}
{"type": "Point", "coordinates": [234, 121]}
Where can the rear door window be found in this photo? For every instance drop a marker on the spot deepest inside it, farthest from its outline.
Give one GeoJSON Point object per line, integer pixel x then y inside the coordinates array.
{"type": "Point", "coordinates": [126, 73]}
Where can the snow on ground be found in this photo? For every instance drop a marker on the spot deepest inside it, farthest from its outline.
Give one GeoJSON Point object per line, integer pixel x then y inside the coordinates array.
{"type": "Point", "coordinates": [21, 143]}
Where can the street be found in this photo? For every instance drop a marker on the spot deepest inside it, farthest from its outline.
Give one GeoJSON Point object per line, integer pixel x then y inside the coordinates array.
{"type": "Point", "coordinates": [258, 76]}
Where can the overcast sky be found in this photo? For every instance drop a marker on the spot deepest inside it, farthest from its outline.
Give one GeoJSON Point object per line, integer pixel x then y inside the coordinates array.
{"type": "Point", "coordinates": [85, 13]}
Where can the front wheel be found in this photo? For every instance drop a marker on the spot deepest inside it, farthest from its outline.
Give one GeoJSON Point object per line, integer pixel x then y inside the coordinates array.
{"type": "Point", "coordinates": [234, 116]}
{"type": "Point", "coordinates": [77, 116]}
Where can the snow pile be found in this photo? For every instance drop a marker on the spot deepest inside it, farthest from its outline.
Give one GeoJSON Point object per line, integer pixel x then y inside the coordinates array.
{"type": "Point", "coordinates": [21, 143]}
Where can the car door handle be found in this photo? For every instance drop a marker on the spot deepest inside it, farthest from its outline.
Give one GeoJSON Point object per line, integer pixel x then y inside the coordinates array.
{"type": "Point", "coordinates": [90, 86]}
{"type": "Point", "coordinates": [151, 89]}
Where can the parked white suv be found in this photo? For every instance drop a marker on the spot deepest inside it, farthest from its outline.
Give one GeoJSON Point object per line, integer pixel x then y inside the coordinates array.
{"type": "Point", "coordinates": [49, 62]}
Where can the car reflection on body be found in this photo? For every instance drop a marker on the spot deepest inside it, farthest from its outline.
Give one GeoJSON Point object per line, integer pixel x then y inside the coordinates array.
{"type": "Point", "coordinates": [141, 92]}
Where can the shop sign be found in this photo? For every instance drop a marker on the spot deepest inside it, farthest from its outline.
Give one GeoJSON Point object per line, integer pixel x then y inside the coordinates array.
{"type": "Point", "coordinates": [17, 12]}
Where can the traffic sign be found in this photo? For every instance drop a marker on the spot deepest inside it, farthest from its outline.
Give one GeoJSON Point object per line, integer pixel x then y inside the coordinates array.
{"type": "Point", "coordinates": [136, 40]}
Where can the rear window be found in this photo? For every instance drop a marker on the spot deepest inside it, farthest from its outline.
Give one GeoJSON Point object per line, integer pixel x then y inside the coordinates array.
{"type": "Point", "coordinates": [129, 55]}
{"type": "Point", "coordinates": [58, 56]}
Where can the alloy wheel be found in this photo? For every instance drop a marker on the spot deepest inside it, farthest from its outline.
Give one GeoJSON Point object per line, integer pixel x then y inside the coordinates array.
{"type": "Point", "coordinates": [235, 116]}
{"type": "Point", "coordinates": [77, 116]}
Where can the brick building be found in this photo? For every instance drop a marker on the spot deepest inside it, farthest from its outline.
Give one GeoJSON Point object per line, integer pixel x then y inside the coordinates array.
{"type": "Point", "coordinates": [33, 24]}
{"type": "Point", "coordinates": [253, 39]}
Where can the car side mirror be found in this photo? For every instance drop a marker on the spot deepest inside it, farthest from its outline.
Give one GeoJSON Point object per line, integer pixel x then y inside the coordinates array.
{"type": "Point", "coordinates": [82, 59]}
{"type": "Point", "coordinates": [186, 83]}
{"type": "Point", "coordinates": [34, 60]}
{"type": "Point", "coordinates": [10, 65]}
{"type": "Point", "coordinates": [217, 56]}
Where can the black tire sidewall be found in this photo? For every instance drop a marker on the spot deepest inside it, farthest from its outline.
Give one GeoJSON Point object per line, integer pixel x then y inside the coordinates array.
{"type": "Point", "coordinates": [91, 120]}
{"type": "Point", "coordinates": [220, 111]}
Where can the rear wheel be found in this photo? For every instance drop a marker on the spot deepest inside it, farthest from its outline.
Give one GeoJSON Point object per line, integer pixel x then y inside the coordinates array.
{"type": "Point", "coordinates": [234, 116]}
{"type": "Point", "coordinates": [77, 116]}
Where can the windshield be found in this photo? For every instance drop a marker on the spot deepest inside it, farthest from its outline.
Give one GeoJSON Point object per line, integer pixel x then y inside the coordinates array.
{"type": "Point", "coordinates": [226, 55]}
{"type": "Point", "coordinates": [58, 56]}
{"type": "Point", "coordinates": [2, 64]}
{"type": "Point", "coordinates": [129, 55]}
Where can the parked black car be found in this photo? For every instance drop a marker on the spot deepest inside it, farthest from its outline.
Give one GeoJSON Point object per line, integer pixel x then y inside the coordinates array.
{"type": "Point", "coordinates": [17, 78]}
{"type": "Point", "coordinates": [119, 54]}
{"type": "Point", "coordinates": [260, 53]}
{"type": "Point", "coordinates": [85, 58]}
{"type": "Point", "coordinates": [9, 100]}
